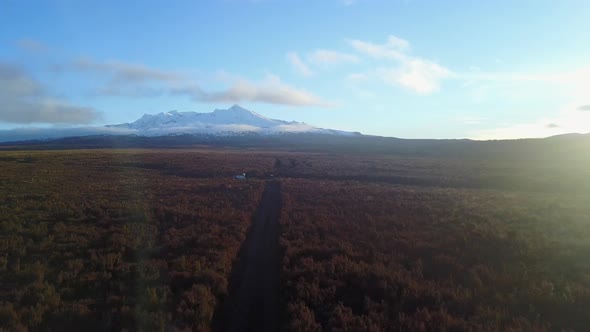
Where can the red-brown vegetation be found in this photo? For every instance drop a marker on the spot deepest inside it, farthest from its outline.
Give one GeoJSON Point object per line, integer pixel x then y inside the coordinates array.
{"type": "Point", "coordinates": [94, 240]}
{"type": "Point", "coordinates": [364, 256]}
{"type": "Point", "coordinates": [148, 239]}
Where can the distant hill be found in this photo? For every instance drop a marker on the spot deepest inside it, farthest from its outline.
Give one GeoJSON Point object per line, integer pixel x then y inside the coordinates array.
{"type": "Point", "coordinates": [237, 127]}
{"type": "Point", "coordinates": [558, 148]}
{"type": "Point", "coordinates": [234, 121]}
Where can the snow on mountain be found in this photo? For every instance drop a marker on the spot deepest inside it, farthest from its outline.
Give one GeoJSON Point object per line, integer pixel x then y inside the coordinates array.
{"type": "Point", "coordinates": [234, 115]}
{"type": "Point", "coordinates": [229, 122]}
{"type": "Point", "coordinates": [234, 120]}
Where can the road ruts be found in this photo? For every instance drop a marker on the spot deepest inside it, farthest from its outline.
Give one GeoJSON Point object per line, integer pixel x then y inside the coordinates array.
{"type": "Point", "coordinates": [252, 302]}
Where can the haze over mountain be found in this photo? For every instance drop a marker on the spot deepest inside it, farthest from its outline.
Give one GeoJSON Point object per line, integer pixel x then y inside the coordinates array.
{"type": "Point", "coordinates": [234, 121]}
{"type": "Point", "coordinates": [239, 127]}
{"type": "Point", "coordinates": [234, 115]}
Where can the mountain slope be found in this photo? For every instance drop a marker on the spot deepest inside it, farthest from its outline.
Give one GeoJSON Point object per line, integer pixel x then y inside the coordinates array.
{"type": "Point", "coordinates": [234, 115]}
{"type": "Point", "coordinates": [234, 121]}
{"type": "Point", "coordinates": [231, 121]}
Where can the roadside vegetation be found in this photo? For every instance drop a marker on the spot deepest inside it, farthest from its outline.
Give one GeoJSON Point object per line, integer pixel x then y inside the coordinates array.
{"type": "Point", "coordinates": [434, 245]}
{"type": "Point", "coordinates": [115, 240]}
{"type": "Point", "coordinates": [148, 239]}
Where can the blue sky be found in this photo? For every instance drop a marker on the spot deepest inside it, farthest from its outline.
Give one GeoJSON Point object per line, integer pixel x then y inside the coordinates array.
{"type": "Point", "coordinates": [404, 68]}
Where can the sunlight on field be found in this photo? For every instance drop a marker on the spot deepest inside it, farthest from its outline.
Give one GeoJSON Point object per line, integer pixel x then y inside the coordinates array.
{"type": "Point", "coordinates": [572, 118]}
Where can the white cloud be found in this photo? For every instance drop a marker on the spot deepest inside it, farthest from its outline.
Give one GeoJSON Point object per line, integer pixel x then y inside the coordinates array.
{"type": "Point", "coordinates": [392, 49]}
{"type": "Point", "coordinates": [397, 43]}
{"type": "Point", "coordinates": [44, 110]}
{"type": "Point", "coordinates": [133, 80]}
{"type": "Point", "coordinates": [128, 79]}
{"type": "Point", "coordinates": [328, 57]}
{"type": "Point", "coordinates": [413, 73]}
{"type": "Point", "coordinates": [24, 100]}
{"type": "Point", "coordinates": [318, 58]}
{"type": "Point", "coordinates": [567, 120]}
{"type": "Point", "coordinates": [271, 90]}
{"type": "Point", "coordinates": [425, 76]}
{"type": "Point", "coordinates": [22, 134]}
{"type": "Point", "coordinates": [298, 64]}
{"type": "Point", "coordinates": [420, 76]}
{"type": "Point", "coordinates": [123, 72]}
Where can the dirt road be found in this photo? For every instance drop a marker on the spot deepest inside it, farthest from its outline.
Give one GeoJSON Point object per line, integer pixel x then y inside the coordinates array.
{"type": "Point", "coordinates": [252, 304]}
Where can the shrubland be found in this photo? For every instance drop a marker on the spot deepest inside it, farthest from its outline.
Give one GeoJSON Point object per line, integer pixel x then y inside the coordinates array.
{"type": "Point", "coordinates": [422, 244]}
{"type": "Point", "coordinates": [95, 240]}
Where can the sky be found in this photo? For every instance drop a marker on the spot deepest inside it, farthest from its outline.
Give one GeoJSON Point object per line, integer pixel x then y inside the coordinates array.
{"type": "Point", "coordinates": [402, 68]}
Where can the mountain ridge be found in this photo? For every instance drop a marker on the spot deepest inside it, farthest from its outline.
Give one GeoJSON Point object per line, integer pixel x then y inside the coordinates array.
{"type": "Point", "coordinates": [235, 115]}
{"type": "Point", "coordinates": [233, 121]}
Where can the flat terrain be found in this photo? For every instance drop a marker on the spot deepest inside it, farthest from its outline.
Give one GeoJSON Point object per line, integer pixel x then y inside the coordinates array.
{"type": "Point", "coordinates": [163, 239]}
{"type": "Point", "coordinates": [254, 287]}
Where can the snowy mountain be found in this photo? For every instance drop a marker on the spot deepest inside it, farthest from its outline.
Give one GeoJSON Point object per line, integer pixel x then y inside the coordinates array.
{"type": "Point", "coordinates": [234, 120]}
{"type": "Point", "coordinates": [234, 115]}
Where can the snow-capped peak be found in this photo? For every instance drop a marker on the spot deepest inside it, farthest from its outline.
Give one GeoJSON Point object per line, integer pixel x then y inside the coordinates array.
{"type": "Point", "coordinates": [235, 119]}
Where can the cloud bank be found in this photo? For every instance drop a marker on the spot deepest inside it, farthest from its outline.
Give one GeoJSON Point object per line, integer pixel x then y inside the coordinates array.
{"type": "Point", "coordinates": [271, 90]}
{"type": "Point", "coordinates": [395, 65]}
{"type": "Point", "coordinates": [23, 100]}
{"type": "Point", "coordinates": [24, 134]}
{"type": "Point", "coordinates": [122, 72]}
{"type": "Point", "coordinates": [135, 80]}
{"type": "Point", "coordinates": [410, 72]}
